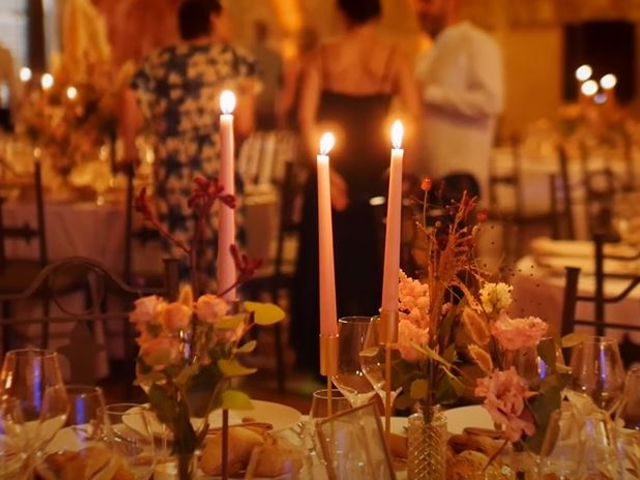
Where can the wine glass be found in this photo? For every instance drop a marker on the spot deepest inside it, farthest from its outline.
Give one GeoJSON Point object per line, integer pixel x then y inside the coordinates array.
{"type": "Point", "coordinates": [601, 445]}
{"type": "Point", "coordinates": [597, 370]}
{"type": "Point", "coordinates": [561, 454]}
{"type": "Point", "coordinates": [33, 378]}
{"type": "Point", "coordinates": [530, 365]}
{"type": "Point", "coordinates": [80, 445]}
{"type": "Point", "coordinates": [372, 360]}
{"type": "Point", "coordinates": [13, 445]}
{"type": "Point", "coordinates": [127, 429]}
{"type": "Point", "coordinates": [629, 411]}
{"type": "Point", "coordinates": [350, 379]}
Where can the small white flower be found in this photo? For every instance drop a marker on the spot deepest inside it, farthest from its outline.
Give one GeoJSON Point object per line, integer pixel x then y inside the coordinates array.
{"type": "Point", "coordinates": [496, 297]}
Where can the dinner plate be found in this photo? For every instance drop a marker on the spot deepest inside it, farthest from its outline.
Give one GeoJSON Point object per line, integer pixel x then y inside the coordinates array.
{"type": "Point", "coordinates": [457, 420]}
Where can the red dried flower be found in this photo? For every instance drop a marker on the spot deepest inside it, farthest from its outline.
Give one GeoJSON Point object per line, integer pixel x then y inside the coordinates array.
{"type": "Point", "coordinates": [245, 266]}
{"type": "Point", "coordinates": [426, 184]}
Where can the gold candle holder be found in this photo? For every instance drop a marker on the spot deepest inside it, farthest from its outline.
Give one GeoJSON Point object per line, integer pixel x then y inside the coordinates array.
{"type": "Point", "coordinates": [388, 331]}
{"type": "Point", "coordinates": [328, 355]}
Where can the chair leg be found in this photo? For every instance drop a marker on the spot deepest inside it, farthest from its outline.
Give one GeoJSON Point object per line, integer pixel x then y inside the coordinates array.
{"type": "Point", "coordinates": [46, 309]}
{"type": "Point", "coordinates": [6, 329]}
{"type": "Point", "coordinates": [280, 367]}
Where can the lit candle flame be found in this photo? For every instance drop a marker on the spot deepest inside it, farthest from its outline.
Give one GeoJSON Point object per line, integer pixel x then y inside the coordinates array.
{"type": "Point", "coordinates": [72, 93]}
{"type": "Point", "coordinates": [609, 81]}
{"type": "Point", "coordinates": [327, 142]}
{"type": "Point", "coordinates": [25, 74]}
{"type": "Point", "coordinates": [589, 88]}
{"type": "Point", "coordinates": [584, 72]}
{"type": "Point", "coordinates": [227, 102]}
{"type": "Point", "coordinates": [46, 81]}
{"type": "Point", "coordinates": [397, 133]}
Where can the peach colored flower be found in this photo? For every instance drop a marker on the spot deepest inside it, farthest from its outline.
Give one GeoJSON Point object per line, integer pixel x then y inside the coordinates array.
{"type": "Point", "coordinates": [175, 317]}
{"type": "Point", "coordinates": [517, 333]}
{"type": "Point", "coordinates": [408, 336]}
{"type": "Point", "coordinates": [160, 352]}
{"type": "Point", "coordinates": [413, 300]}
{"type": "Point", "coordinates": [146, 310]}
{"type": "Point", "coordinates": [476, 326]}
{"type": "Point", "coordinates": [211, 308]}
{"type": "Point", "coordinates": [505, 394]}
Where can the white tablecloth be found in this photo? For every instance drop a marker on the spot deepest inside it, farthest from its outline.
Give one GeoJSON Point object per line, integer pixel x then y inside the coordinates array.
{"type": "Point", "coordinates": [539, 292]}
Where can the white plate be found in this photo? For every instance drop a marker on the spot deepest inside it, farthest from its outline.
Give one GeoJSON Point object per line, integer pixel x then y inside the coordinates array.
{"type": "Point", "coordinates": [457, 420]}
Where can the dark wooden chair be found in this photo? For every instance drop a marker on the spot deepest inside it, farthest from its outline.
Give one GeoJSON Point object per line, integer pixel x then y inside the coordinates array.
{"type": "Point", "coordinates": [137, 235]}
{"type": "Point", "coordinates": [630, 351]}
{"type": "Point", "coordinates": [277, 274]}
{"type": "Point", "coordinates": [82, 349]}
{"type": "Point", "coordinates": [516, 219]}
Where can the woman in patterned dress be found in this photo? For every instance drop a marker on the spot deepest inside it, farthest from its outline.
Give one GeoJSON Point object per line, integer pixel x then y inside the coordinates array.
{"type": "Point", "coordinates": [175, 94]}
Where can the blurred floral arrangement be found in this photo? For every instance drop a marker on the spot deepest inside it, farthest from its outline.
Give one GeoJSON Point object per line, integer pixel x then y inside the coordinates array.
{"type": "Point", "coordinates": [190, 348]}
{"type": "Point", "coordinates": [455, 338]}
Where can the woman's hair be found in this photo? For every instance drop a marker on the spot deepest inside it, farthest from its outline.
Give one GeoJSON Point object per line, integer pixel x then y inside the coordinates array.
{"type": "Point", "coordinates": [194, 17]}
{"type": "Point", "coordinates": [360, 11]}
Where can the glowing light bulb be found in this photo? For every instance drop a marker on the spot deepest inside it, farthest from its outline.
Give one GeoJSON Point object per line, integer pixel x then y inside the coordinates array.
{"type": "Point", "coordinates": [609, 81]}
{"type": "Point", "coordinates": [584, 72]}
{"type": "Point", "coordinates": [25, 74]}
{"type": "Point", "coordinates": [589, 88]}
{"type": "Point", "coordinates": [46, 81]}
{"type": "Point", "coordinates": [72, 93]}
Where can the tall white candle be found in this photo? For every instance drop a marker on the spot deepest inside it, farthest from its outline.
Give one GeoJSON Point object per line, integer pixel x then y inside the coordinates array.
{"type": "Point", "coordinates": [226, 220]}
{"type": "Point", "coordinates": [328, 308]}
{"type": "Point", "coordinates": [392, 237]}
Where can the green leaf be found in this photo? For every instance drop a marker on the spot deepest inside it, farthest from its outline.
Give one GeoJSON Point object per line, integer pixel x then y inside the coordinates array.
{"type": "Point", "coordinates": [232, 368]}
{"type": "Point", "coordinates": [419, 389]}
{"type": "Point", "coordinates": [236, 400]}
{"type": "Point", "coordinates": [547, 352]}
{"type": "Point", "coordinates": [370, 352]}
{"type": "Point", "coordinates": [573, 339]}
{"type": "Point", "coordinates": [163, 404]}
{"type": "Point", "coordinates": [185, 375]}
{"type": "Point", "coordinates": [265, 314]}
{"type": "Point", "coordinates": [231, 322]}
{"type": "Point", "coordinates": [543, 405]}
{"type": "Point", "coordinates": [247, 347]}
{"type": "Point", "coordinates": [425, 350]}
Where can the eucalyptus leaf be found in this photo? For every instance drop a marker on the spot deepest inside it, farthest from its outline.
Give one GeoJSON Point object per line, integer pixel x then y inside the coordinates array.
{"type": "Point", "coordinates": [231, 322]}
{"type": "Point", "coordinates": [185, 375]}
{"type": "Point", "coordinates": [232, 368]}
{"type": "Point", "coordinates": [419, 389]}
{"type": "Point", "coordinates": [573, 339]}
{"type": "Point", "coordinates": [236, 400]}
{"type": "Point", "coordinates": [265, 314]}
{"type": "Point", "coordinates": [247, 347]}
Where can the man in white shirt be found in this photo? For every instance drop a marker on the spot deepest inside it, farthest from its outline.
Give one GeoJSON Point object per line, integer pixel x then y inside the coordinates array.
{"type": "Point", "coordinates": [461, 81]}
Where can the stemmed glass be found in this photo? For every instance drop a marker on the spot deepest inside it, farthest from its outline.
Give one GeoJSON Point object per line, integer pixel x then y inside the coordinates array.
{"type": "Point", "coordinates": [372, 360]}
{"type": "Point", "coordinates": [561, 455]}
{"type": "Point", "coordinates": [530, 365]}
{"type": "Point", "coordinates": [350, 378]}
{"type": "Point", "coordinates": [597, 370]}
{"type": "Point", "coordinates": [33, 378]}
{"type": "Point", "coordinates": [127, 430]}
{"type": "Point", "coordinates": [80, 444]}
{"type": "Point", "coordinates": [13, 448]}
{"type": "Point", "coordinates": [629, 411]}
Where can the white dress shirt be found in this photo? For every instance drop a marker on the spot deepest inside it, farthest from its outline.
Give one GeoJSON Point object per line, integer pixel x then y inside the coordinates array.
{"type": "Point", "coordinates": [461, 81]}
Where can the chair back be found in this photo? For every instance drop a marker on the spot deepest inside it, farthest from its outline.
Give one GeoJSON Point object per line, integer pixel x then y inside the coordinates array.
{"type": "Point", "coordinates": [105, 289]}
{"type": "Point", "coordinates": [27, 232]}
{"type": "Point", "coordinates": [599, 300]}
{"type": "Point", "coordinates": [563, 207]}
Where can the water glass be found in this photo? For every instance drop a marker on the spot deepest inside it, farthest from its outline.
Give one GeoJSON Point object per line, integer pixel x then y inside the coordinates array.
{"type": "Point", "coordinates": [320, 404]}
{"type": "Point", "coordinates": [33, 378]}
{"type": "Point", "coordinates": [530, 365]}
{"type": "Point", "coordinates": [598, 371]}
{"type": "Point", "coordinates": [561, 455]}
{"type": "Point", "coordinates": [127, 430]}
{"type": "Point", "coordinates": [602, 457]}
{"type": "Point", "coordinates": [350, 379]}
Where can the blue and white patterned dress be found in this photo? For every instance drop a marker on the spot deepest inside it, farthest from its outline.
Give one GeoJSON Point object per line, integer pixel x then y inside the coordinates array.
{"type": "Point", "coordinates": [178, 91]}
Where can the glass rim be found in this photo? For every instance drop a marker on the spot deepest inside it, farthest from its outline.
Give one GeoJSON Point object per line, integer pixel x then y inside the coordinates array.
{"type": "Point", "coordinates": [40, 352]}
{"type": "Point", "coordinates": [355, 319]}
{"type": "Point", "coordinates": [114, 408]}
{"type": "Point", "coordinates": [322, 394]}
{"type": "Point", "coordinates": [597, 339]}
{"type": "Point", "coordinates": [83, 390]}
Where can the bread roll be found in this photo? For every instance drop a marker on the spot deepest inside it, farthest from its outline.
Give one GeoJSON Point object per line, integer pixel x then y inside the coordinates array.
{"type": "Point", "coordinates": [242, 441]}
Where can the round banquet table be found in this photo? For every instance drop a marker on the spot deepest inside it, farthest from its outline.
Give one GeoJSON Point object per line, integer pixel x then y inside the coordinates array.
{"type": "Point", "coordinates": [539, 291]}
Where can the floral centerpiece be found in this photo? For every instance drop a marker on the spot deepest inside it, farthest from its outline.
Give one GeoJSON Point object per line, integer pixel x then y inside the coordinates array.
{"type": "Point", "coordinates": [456, 341]}
{"type": "Point", "coordinates": [190, 348]}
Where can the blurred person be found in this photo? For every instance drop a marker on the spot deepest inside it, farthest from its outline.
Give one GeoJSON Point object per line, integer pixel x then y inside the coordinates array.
{"type": "Point", "coordinates": [287, 104]}
{"type": "Point", "coordinates": [270, 71]}
{"type": "Point", "coordinates": [461, 84]}
{"type": "Point", "coordinates": [348, 87]}
{"type": "Point", "coordinates": [176, 94]}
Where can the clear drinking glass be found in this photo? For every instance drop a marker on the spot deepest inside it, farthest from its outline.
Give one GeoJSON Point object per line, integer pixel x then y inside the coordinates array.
{"type": "Point", "coordinates": [530, 365]}
{"type": "Point", "coordinates": [319, 404]}
{"type": "Point", "coordinates": [372, 361]}
{"type": "Point", "coordinates": [630, 406]}
{"type": "Point", "coordinates": [127, 430]}
{"type": "Point", "coordinates": [602, 458]}
{"type": "Point", "coordinates": [13, 442]}
{"type": "Point", "coordinates": [562, 451]}
{"type": "Point", "coordinates": [598, 371]}
{"type": "Point", "coordinates": [350, 379]}
{"type": "Point", "coordinates": [80, 446]}
{"type": "Point", "coordinates": [33, 378]}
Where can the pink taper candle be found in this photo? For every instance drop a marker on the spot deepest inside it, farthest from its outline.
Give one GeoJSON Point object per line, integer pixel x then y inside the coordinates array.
{"type": "Point", "coordinates": [394, 212]}
{"type": "Point", "coordinates": [328, 309]}
{"type": "Point", "coordinates": [226, 219]}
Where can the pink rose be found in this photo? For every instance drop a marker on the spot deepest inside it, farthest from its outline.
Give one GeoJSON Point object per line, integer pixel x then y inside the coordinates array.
{"type": "Point", "coordinates": [211, 308]}
{"type": "Point", "coordinates": [175, 317]}
{"type": "Point", "coordinates": [408, 336]}
{"type": "Point", "coordinates": [160, 352]}
{"type": "Point", "coordinates": [145, 310]}
{"type": "Point", "coordinates": [517, 333]}
{"type": "Point", "coordinates": [505, 394]}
